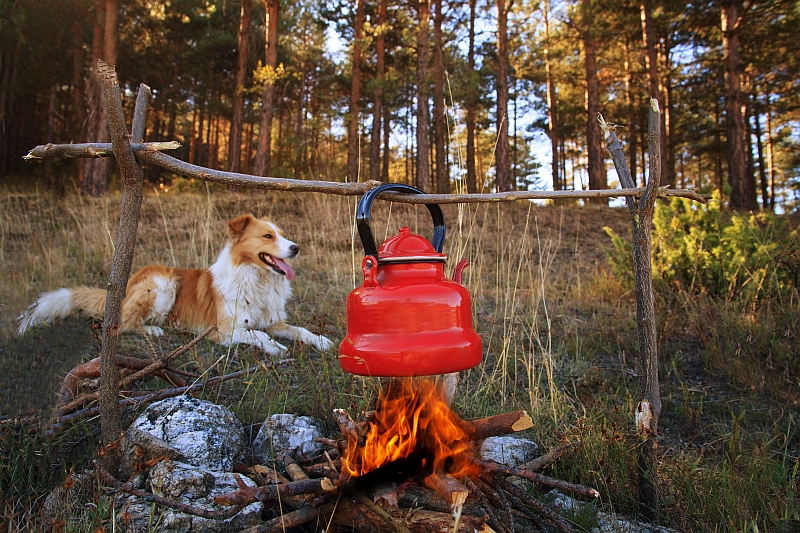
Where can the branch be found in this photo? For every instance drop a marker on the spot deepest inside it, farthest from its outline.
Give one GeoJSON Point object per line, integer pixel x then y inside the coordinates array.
{"type": "Point", "coordinates": [140, 114]}
{"type": "Point", "coordinates": [580, 490]}
{"type": "Point", "coordinates": [132, 179]}
{"type": "Point", "coordinates": [156, 396]}
{"type": "Point", "coordinates": [57, 152]}
{"type": "Point", "coordinates": [167, 502]}
{"type": "Point", "coordinates": [617, 153]}
{"type": "Point", "coordinates": [654, 150]}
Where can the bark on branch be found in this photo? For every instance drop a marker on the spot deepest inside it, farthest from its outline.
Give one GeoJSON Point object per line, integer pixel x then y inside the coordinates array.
{"type": "Point", "coordinates": [149, 153]}
{"type": "Point", "coordinates": [132, 179]}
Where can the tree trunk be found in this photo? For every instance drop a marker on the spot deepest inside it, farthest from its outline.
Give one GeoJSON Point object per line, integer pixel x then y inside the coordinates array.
{"type": "Point", "coordinates": [596, 166]}
{"type": "Point", "coordinates": [94, 172]}
{"type": "Point", "coordinates": [472, 181]}
{"type": "Point", "coordinates": [551, 101]}
{"type": "Point", "coordinates": [668, 157]}
{"type": "Point", "coordinates": [439, 132]}
{"type": "Point", "coordinates": [353, 156]}
{"type": "Point", "coordinates": [235, 145]}
{"type": "Point", "coordinates": [377, 106]}
{"type": "Point", "coordinates": [423, 144]}
{"type": "Point", "coordinates": [265, 124]}
{"type": "Point", "coordinates": [632, 121]}
{"type": "Point", "coordinates": [741, 196]}
{"type": "Point", "coordinates": [387, 130]}
{"type": "Point", "coordinates": [770, 155]}
{"type": "Point", "coordinates": [78, 95]}
{"type": "Point", "coordinates": [502, 166]}
{"type": "Point", "coordinates": [762, 174]}
{"type": "Point", "coordinates": [650, 41]}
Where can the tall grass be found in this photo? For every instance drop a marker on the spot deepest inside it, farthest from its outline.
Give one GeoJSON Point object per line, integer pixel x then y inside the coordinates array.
{"type": "Point", "coordinates": [558, 328]}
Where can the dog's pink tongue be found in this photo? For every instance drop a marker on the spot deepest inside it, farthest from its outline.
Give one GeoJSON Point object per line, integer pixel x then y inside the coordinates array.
{"type": "Point", "coordinates": [285, 267]}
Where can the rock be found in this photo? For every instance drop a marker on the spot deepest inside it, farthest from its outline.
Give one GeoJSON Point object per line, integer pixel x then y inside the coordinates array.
{"type": "Point", "coordinates": [191, 485]}
{"type": "Point", "coordinates": [64, 501]}
{"type": "Point", "coordinates": [141, 449]}
{"type": "Point", "coordinates": [510, 451]}
{"type": "Point", "coordinates": [205, 434]}
{"type": "Point", "coordinates": [286, 434]}
{"type": "Point", "coordinates": [602, 522]}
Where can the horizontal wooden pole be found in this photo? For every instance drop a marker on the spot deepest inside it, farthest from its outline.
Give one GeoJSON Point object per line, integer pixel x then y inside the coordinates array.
{"type": "Point", "coordinates": [150, 153]}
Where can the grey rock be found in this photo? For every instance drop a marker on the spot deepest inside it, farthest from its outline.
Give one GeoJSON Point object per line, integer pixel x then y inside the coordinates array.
{"type": "Point", "coordinates": [191, 485]}
{"type": "Point", "coordinates": [286, 434]}
{"type": "Point", "coordinates": [510, 451]}
{"type": "Point", "coordinates": [205, 434]}
{"type": "Point", "coordinates": [140, 448]}
{"type": "Point", "coordinates": [605, 522]}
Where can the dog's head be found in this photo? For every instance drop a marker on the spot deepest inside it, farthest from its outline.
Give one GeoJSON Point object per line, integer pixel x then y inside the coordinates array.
{"type": "Point", "coordinates": [257, 241]}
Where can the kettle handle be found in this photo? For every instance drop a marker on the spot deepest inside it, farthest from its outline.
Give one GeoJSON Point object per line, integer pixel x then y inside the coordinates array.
{"type": "Point", "coordinates": [365, 205]}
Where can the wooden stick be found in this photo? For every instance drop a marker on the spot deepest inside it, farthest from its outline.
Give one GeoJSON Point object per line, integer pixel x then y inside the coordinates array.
{"type": "Point", "coordinates": [247, 495]}
{"type": "Point", "coordinates": [448, 488]}
{"type": "Point", "coordinates": [350, 490]}
{"type": "Point", "coordinates": [154, 397]}
{"type": "Point", "coordinates": [162, 363]}
{"type": "Point", "coordinates": [540, 462]}
{"type": "Point", "coordinates": [349, 428]}
{"type": "Point", "coordinates": [423, 521]}
{"type": "Point", "coordinates": [486, 506]}
{"type": "Point", "coordinates": [132, 179]}
{"type": "Point", "coordinates": [521, 500]}
{"type": "Point", "coordinates": [56, 152]}
{"type": "Point", "coordinates": [580, 490]}
{"type": "Point", "coordinates": [140, 113]}
{"type": "Point", "coordinates": [291, 520]}
{"type": "Point", "coordinates": [501, 424]}
{"type": "Point", "coordinates": [127, 488]}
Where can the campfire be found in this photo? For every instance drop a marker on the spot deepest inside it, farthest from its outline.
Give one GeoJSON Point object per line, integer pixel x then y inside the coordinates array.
{"type": "Point", "coordinates": [410, 465]}
{"type": "Point", "coordinates": [412, 419]}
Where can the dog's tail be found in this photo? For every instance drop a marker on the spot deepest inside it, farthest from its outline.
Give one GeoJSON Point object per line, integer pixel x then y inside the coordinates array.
{"type": "Point", "coordinates": [61, 304]}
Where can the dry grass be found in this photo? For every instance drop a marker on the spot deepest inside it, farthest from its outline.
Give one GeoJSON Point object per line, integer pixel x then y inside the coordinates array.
{"type": "Point", "coordinates": [558, 329]}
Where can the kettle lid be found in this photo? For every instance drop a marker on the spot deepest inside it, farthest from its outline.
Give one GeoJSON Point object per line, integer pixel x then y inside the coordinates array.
{"type": "Point", "coordinates": [409, 247]}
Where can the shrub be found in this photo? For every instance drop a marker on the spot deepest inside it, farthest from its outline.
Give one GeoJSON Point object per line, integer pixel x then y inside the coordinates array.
{"type": "Point", "coordinates": [695, 248]}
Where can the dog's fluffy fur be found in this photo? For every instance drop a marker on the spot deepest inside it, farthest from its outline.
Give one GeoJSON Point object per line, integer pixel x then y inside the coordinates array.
{"type": "Point", "coordinates": [243, 293]}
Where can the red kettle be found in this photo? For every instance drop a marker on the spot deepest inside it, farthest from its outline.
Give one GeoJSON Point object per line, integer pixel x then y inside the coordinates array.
{"type": "Point", "coordinates": [407, 319]}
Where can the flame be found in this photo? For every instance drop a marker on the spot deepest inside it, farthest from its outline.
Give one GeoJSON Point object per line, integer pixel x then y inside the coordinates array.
{"type": "Point", "coordinates": [411, 417]}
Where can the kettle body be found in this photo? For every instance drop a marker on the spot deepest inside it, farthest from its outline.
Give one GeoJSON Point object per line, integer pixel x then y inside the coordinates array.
{"type": "Point", "coordinates": [407, 318]}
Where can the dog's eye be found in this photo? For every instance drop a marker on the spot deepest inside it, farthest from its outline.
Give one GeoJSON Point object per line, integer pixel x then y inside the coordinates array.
{"type": "Point", "coordinates": [268, 236]}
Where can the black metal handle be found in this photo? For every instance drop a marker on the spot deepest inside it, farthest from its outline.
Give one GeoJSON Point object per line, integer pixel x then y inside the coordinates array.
{"type": "Point", "coordinates": [365, 205]}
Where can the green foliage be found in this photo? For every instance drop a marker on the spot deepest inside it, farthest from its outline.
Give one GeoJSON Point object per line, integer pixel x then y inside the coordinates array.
{"type": "Point", "coordinates": [747, 257]}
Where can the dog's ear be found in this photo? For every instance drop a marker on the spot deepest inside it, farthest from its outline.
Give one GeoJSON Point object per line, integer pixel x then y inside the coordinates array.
{"type": "Point", "coordinates": [237, 225]}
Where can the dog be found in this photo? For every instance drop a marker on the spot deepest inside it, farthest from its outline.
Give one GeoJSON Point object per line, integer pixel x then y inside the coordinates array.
{"type": "Point", "coordinates": [243, 294]}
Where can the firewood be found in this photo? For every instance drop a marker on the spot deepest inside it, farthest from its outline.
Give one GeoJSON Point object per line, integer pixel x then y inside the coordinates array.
{"type": "Point", "coordinates": [448, 488]}
{"type": "Point", "coordinates": [580, 490]}
{"type": "Point", "coordinates": [247, 495]}
{"type": "Point", "coordinates": [291, 520]}
{"type": "Point", "coordinates": [541, 462]}
{"type": "Point", "coordinates": [353, 492]}
{"type": "Point", "coordinates": [349, 428]}
{"type": "Point", "coordinates": [522, 501]}
{"type": "Point", "coordinates": [452, 490]}
{"type": "Point", "coordinates": [412, 495]}
{"type": "Point", "coordinates": [421, 521]}
{"type": "Point", "coordinates": [178, 505]}
{"type": "Point", "coordinates": [501, 424]}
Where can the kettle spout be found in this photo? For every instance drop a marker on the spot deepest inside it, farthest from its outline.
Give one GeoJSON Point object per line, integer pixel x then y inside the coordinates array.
{"type": "Point", "coordinates": [459, 270]}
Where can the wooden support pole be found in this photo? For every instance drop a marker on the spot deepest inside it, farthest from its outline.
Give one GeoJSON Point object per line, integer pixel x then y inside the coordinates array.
{"type": "Point", "coordinates": [649, 407]}
{"type": "Point", "coordinates": [132, 179]}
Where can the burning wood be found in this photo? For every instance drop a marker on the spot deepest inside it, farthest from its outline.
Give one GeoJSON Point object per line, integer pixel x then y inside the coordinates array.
{"type": "Point", "coordinates": [409, 467]}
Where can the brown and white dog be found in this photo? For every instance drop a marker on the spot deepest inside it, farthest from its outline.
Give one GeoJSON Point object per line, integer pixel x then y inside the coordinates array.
{"type": "Point", "coordinates": [243, 293]}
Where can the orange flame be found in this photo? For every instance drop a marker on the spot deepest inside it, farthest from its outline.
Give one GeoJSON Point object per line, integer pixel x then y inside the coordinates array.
{"type": "Point", "coordinates": [412, 416]}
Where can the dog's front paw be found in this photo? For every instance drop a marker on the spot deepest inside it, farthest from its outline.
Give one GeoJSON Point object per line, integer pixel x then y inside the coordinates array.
{"type": "Point", "coordinates": [274, 348]}
{"type": "Point", "coordinates": [322, 343]}
{"type": "Point", "coordinates": [153, 331]}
